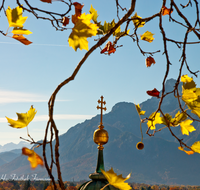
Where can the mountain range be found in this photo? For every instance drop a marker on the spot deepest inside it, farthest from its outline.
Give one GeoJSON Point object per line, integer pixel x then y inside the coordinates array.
{"type": "Point", "coordinates": [160, 162]}
{"type": "Point", "coordinates": [12, 146]}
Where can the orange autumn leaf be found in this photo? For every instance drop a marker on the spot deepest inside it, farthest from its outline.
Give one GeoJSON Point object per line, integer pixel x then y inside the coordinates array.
{"type": "Point", "coordinates": [149, 61]}
{"type": "Point", "coordinates": [109, 47]}
{"type": "Point", "coordinates": [78, 11]}
{"type": "Point", "coordinates": [154, 93]}
{"type": "Point", "coordinates": [46, 1]}
{"type": "Point", "coordinates": [166, 11]}
{"type": "Point", "coordinates": [65, 21]}
{"type": "Point", "coordinates": [22, 39]}
{"type": "Point", "coordinates": [186, 151]}
{"type": "Point", "coordinates": [33, 158]}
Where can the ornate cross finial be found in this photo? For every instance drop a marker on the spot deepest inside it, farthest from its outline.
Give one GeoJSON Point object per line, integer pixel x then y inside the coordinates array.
{"type": "Point", "coordinates": [102, 108]}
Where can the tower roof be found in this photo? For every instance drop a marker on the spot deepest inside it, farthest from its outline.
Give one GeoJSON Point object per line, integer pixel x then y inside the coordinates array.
{"type": "Point", "coordinates": [100, 137]}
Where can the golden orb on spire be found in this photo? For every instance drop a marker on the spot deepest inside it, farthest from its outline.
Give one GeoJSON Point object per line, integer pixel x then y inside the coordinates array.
{"type": "Point", "coordinates": [100, 136]}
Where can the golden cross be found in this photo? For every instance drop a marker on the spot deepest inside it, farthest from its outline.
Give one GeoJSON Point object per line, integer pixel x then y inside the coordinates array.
{"type": "Point", "coordinates": [101, 102]}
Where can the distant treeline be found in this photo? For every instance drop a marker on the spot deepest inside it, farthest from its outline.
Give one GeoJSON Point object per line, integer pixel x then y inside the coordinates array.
{"type": "Point", "coordinates": [46, 185]}
{"type": "Point", "coordinates": [142, 186]}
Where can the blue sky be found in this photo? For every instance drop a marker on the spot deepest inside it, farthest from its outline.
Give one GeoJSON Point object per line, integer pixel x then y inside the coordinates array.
{"type": "Point", "coordinates": [29, 74]}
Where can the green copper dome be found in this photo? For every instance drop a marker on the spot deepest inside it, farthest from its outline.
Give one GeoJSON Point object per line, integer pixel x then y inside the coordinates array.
{"type": "Point", "coordinates": [98, 180]}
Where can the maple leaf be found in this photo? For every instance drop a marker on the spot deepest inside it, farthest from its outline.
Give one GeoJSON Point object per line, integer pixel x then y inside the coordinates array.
{"type": "Point", "coordinates": [167, 119]}
{"type": "Point", "coordinates": [78, 11]}
{"type": "Point", "coordinates": [22, 39]}
{"type": "Point", "coordinates": [196, 147]}
{"type": "Point", "coordinates": [95, 15]}
{"type": "Point", "coordinates": [65, 21]}
{"type": "Point", "coordinates": [186, 151]}
{"type": "Point", "coordinates": [21, 31]}
{"type": "Point", "coordinates": [154, 93]}
{"type": "Point", "coordinates": [149, 61]}
{"type": "Point", "coordinates": [109, 47]}
{"type": "Point", "coordinates": [137, 22]}
{"type": "Point", "coordinates": [23, 119]}
{"type": "Point", "coordinates": [108, 26]}
{"type": "Point", "coordinates": [188, 83]}
{"type": "Point", "coordinates": [116, 180]}
{"type": "Point", "coordinates": [154, 119]}
{"type": "Point", "coordinates": [140, 112]}
{"type": "Point", "coordinates": [147, 36]}
{"type": "Point", "coordinates": [81, 31]}
{"type": "Point", "coordinates": [166, 11]}
{"type": "Point", "coordinates": [195, 107]}
{"type": "Point", "coordinates": [186, 127]}
{"type": "Point", "coordinates": [186, 78]}
{"type": "Point", "coordinates": [189, 95]}
{"type": "Point", "coordinates": [46, 1]}
{"type": "Point", "coordinates": [179, 117]}
{"type": "Point", "coordinates": [33, 157]}
{"type": "Point", "coordinates": [14, 17]}
{"type": "Point", "coordinates": [78, 8]}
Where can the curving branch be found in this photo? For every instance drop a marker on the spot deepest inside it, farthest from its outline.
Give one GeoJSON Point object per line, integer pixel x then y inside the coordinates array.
{"type": "Point", "coordinates": [72, 77]}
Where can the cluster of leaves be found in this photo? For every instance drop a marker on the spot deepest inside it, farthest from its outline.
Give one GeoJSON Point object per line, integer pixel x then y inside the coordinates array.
{"type": "Point", "coordinates": [191, 97]}
{"type": "Point", "coordinates": [16, 20]}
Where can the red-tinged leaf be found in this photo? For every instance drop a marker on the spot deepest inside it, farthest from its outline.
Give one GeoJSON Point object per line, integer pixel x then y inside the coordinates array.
{"type": "Point", "coordinates": [65, 21]}
{"type": "Point", "coordinates": [154, 93]}
{"type": "Point", "coordinates": [78, 11]}
{"type": "Point", "coordinates": [149, 61]}
{"type": "Point", "coordinates": [46, 1]}
{"type": "Point", "coordinates": [166, 11]}
{"type": "Point", "coordinates": [110, 48]}
{"type": "Point", "coordinates": [78, 8]}
{"type": "Point", "coordinates": [22, 39]}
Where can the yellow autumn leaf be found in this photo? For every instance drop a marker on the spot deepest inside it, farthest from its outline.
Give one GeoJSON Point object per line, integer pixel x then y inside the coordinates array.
{"type": "Point", "coordinates": [21, 31]}
{"type": "Point", "coordinates": [195, 107]}
{"type": "Point", "coordinates": [169, 119]}
{"type": "Point", "coordinates": [186, 151]}
{"type": "Point", "coordinates": [116, 180]}
{"type": "Point", "coordinates": [186, 127]}
{"type": "Point", "coordinates": [140, 112]}
{"type": "Point", "coordinates": [196, 147]}
{"type": "Point", "coordinates": [23, 119]}
{"type": "Point", "coordinates": [147, 36]}
{"type": "Point", "coordinates": [179, 117]}
{"type": "Point", "coordinates": [33, 157]}
{"type": "Point", "coordinates": [188, 83]}
{"type": "Point", "coordinates": [94, 13]}
{"type": "Point", "coordinates": [81, 31]}
{"type": "Point", "coordinates": [154, 119]}
{"type": "Point", "coordinates": [186, 78]}
{"type": "Point", "coordinates": [14, 17]}
{"type": "Point", "coordinates": [189, 95]}
{"type": "Point", "coordinates": [137, 22]}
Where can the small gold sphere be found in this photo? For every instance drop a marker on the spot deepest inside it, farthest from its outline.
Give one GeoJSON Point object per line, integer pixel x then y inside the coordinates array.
{"type": "Point", "coordinates": [100, 136]}
{"type": "Point", "coordinates": [139, 145]}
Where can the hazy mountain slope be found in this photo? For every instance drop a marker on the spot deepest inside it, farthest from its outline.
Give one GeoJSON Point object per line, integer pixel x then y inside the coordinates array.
{"type": "Point", "coordinates": [159, 162]}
